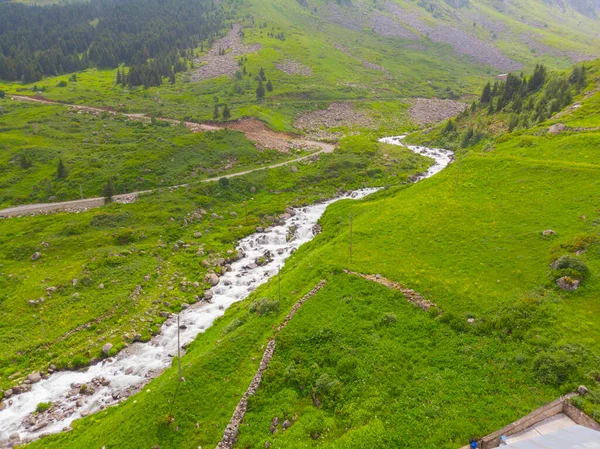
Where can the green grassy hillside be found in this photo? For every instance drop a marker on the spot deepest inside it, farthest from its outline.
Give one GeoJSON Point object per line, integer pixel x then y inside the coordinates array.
{"type": "Point", "coordinates": [385, 372]}
{"type": "Point", "coordinates": [319, 51]}
{"type": "Point", "coordinates": [120, 244]}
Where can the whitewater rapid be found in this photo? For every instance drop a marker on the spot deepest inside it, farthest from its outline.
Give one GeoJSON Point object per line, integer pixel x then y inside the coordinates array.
{"type": "Point", "coordinates": [114, 379]}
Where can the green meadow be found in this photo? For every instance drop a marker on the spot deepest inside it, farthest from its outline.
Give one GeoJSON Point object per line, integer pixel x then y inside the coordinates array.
{"type": "Point", "coordinates": [358, 365]}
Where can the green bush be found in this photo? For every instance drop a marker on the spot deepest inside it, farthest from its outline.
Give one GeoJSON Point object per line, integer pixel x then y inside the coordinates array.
{"type": "Point", "coordinates": [124, 236]}
{"type": "Point", "coordinates": [570, 266]}
{"type": "Point", "coordinates": [388, 319]}
{"type": "Point", "coordinates": [43, 406]}
{"type": "Point", "coordinates": [553, 368]}
{"type": "Point", "coordinates": [264, 306]}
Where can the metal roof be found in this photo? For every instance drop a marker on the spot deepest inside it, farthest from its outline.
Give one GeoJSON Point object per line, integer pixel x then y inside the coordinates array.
{"type": "Point", "coordinates": [574, 437]}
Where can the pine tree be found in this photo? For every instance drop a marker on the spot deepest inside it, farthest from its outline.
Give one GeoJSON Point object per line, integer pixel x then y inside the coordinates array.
{"type": "Point", "coordinates": [226, 113]}
{"type": "Point", "coordinates": [108, 191]}
{"type": "Point", "coordinates": [260, 91]}
{"type": "Point", "coordinates": [172, 77]}
{"type": "Point", "coordinates": [269, 86]}
{"type": "Point", "coordinates": [216, 113]}
{"type": "Point", "coordinates": [261, 74]}
{"type": "Point", "coordinates": [61, 170]}
{"type": "Point", "coordinates": [486, 94]}
{"type": "Point", "coordinates": [119, 77]}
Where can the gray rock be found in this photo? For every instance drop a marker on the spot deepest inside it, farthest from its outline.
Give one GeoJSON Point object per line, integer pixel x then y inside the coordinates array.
{"type": "Point", "coordinates": [208, 295]}
{"type": "Point", "coordinates": [34, 378]}
{"type": "Point", "coordinates": [35, 256]}
{"type": "Point", "coordinates": [548, 233]}
{"type": "Point", "coordinates": [568, 283]}
{"type": "Point", "coordinates": [582, 390]}
{"type": "Point", "coordinates": [211, 278]}
{"type": "Point", "coordinates": [185, 305]}
{"type": "Point", "coordinates": [101, 286]}
{"type": "Point", "coordinates": [106, 348]}
{"type": "Point", "coordinates": [294, 169]}
{"type": "Point", "coordinates": [557, 128]}
{"type": "Point", "coordinates": [286, 424]}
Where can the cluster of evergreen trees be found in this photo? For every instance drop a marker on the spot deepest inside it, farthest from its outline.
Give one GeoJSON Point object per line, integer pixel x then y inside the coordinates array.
{"type": "Point", "coordinates": [147, 35]}
{"type": "Point", "coordinates": [517, 95]}
{"type": "Point", "coordinates": [523, 102]}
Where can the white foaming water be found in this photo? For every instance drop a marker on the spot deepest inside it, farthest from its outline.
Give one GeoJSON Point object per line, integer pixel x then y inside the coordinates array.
{"type": "Point", "coordinates": [133, 367]}
{"type": "Point", "coordinates": [117, 378]}
{"type": "Point", "coordinates": [442, 157]}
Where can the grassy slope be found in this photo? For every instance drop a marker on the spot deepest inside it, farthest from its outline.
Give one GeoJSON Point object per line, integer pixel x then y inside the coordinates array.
{"type": "Point", "coordinates": [118, 246]}
{"type": "Point", "coordinates": [474, 248]}
{"type": "Point", "coordinates": [134, 155]}
{"type": "Point", "coordinates": [433, 70]}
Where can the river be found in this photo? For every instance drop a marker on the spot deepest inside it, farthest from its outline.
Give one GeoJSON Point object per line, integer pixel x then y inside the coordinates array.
{"type": "Point", "coordinates": [116, 378]}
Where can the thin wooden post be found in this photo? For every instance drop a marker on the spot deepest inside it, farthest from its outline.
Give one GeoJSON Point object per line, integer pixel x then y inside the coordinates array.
{"type": "Point", "coordinates": [179, 349]}
{"type": "Point", "coordinates": [350, 236]}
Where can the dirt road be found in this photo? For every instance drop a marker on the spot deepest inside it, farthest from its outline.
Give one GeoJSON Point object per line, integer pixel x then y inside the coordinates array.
{"type": "Point", "coordinates": [252, 128]}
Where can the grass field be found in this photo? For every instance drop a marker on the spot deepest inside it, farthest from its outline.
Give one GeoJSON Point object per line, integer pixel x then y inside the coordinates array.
{"type": "Point", "coordinates": [385, 372]}
{"type": "Point", "coordinates": [118, 245]}
{"type": "Point", "coordinates": [134, 155]}
{"type": "Point", "coordinates": [407, 68]}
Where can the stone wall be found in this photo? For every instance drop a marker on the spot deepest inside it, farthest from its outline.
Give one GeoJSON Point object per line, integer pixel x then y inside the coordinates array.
{"type": "Point", "coordinates": [231, 431]}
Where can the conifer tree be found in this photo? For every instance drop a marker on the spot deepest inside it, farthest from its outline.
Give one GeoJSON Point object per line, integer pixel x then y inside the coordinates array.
{"type": "Point", "coordinates": [226, 113]}
{"type": "Point", "coordinates": [260, 91]}
{"type": "Point", "coordinates": [61, 170]}
{"type": "Point", "coordinates": [269, 86]}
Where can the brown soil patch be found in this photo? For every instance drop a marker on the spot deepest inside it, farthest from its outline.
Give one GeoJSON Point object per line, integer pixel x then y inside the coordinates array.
{"type": "Point", "coordinates": [425, 111]}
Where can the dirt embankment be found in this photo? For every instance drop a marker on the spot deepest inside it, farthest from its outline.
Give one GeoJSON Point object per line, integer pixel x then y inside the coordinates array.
{"type": "Point", "coordinates": [214, 65]}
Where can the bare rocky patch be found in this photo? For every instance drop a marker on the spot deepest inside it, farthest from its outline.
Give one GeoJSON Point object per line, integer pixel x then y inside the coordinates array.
{"type": "Point", "coordinates": [336, 115]}
{"type": "Point", "coordinates": [387, 26]}
{"type": "Point", "coordinates": [213, 65]}
{"type": "Point", "coordinates": [462, 42]}
{"type": "Point", "coordinates": [426, 111]}
{"type": "Point", "coordinates": [290, 67]}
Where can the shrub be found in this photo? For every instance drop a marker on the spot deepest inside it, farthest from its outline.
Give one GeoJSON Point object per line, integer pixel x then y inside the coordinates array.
{"type": "Point", "coordinates": [569, 266]}
{"type": "Point", "coordinates": [43, 406]}
{"type": "Point", "coordinates": [388, 319]}
{"type": "Point", "coordinates": [553, 368]}
{"type": "Point", "coordinates": [264, 306]}
{"type": "Point", "coordinates": [233, 325]}
{"type": "Point", "coordinates": [63, 83]}
{"type": "Point", "coordinates": [124, 236]}
{"type": "Point", "coordinates": [325, 384]}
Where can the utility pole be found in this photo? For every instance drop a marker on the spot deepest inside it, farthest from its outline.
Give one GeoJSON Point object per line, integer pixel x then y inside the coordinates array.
{"type": "Point", "coordinates": [42, 323]}
{"type": "Point", "coordinates": [350, 235]}
{"type": "Point", "coordinates": [458, 170]}
{"type": "Point", "coordinates": [179, 348]}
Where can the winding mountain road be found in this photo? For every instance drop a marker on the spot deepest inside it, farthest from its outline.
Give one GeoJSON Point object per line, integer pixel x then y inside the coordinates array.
{"type": "Point", "coordinates": [89, 203]}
